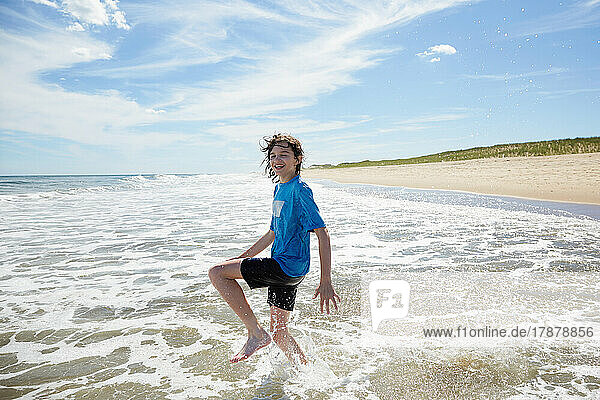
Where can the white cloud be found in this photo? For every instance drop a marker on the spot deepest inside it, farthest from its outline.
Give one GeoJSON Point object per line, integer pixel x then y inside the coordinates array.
{"type": "Point", "coordinates": [86, 54]}
{"type": "Point", "coordinates": [28, 105]}
{"type": "Point", "coordinates": [248, 130]}
{"type": "Point", "coordinates": [112, 4]}
{"type": "Point", "coordinates": [46, 3]}
{"type": "Point", "coordinates": [556, 94]}
{"type": "Point", "coordinates": [445, 49]}
{"type": "Point", "coordinates": [76, 27]}
{"type": "Point", "coordinates": [507, 76]}
{"type": "Point", "coordinates": [322, 53]}
{"type": "Point", "coordinates": [425, 122]}
{"type": "Point", "coordinates": [325, 59]}
{"type": "Point", "coordinates": [118, 17]}
{"type": "Point", "coordinates": [184, 13]}
{"type": "Point", "coordinates": [90, 12]}
{"type": "Point", "coordinates": [153, 111]}
{"type": "Point", "coordinates": [200, 32]}
{"type": "Point", "coordinates": [428, 119]}
{"type": "Point", "coordinates": [152, 69]}
{"type": "Point", "coordinates": [30, 18]}
{"type": "Point", "coordinates": [579, 15]}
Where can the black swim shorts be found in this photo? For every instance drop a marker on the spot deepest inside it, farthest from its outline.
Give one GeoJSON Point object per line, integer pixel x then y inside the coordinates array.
{"type": "Point", "coordinates": [266, 272]}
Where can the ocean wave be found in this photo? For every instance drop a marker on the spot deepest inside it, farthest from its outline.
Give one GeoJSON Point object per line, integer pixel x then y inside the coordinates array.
{"type": "Point", "coordinates": [35, 188]}
{"type": "Point", "coordinates": [121, 262]}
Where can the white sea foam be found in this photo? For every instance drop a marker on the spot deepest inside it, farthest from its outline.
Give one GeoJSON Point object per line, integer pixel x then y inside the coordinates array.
{"type": "Point", "coordinates": [121, 262]}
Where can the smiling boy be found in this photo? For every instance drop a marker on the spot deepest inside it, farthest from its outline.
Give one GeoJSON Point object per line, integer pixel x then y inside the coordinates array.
{"type": "Point", "coordinates": [294, 215]}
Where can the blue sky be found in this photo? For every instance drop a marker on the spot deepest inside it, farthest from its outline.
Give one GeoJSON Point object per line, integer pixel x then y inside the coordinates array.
{"type": "Point", "coordinates": [107, 87]}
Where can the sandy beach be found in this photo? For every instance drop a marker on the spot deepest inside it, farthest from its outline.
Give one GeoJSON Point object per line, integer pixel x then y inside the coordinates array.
{"type": "Point", "coordinates": [571, 178]}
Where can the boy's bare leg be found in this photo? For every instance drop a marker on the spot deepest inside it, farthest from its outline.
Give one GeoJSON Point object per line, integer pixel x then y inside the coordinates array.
{"type": "Point", "coordinates": [282, 336]}
{"type": "Point", "coordinates": [223, 278]}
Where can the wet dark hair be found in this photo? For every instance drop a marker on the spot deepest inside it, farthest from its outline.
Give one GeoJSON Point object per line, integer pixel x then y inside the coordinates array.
{"type": "Point", "coordinates": [267, 147]}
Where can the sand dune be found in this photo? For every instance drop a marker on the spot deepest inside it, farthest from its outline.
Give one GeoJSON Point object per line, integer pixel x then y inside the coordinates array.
{"type": "Point", "coordinates": [571, 177]}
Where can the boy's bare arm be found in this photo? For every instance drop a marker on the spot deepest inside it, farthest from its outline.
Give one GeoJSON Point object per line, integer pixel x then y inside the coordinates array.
{"type": "Point", "coordinates": [259, 246]}
{"type": "Point", "coordinates": [325, 287]}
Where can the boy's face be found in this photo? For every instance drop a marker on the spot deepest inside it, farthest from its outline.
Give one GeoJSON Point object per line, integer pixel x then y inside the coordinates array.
{"type": "Point", "coordinates": [283, 161]}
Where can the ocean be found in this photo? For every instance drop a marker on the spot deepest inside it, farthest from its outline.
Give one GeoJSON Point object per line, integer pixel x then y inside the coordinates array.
{"type": "Point", "coordinates": [104, 293]}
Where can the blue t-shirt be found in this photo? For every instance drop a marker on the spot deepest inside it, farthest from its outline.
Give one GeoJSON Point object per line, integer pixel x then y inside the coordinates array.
{"type": "Point", "coordinates": [294, 215]}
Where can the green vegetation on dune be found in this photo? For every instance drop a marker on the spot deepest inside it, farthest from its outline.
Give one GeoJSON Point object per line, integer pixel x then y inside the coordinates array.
{"type": "Point", "coordinates": [545, 148]}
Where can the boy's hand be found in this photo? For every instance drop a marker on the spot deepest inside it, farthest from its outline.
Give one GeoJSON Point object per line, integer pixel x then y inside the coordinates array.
{"type": "Point", "coordinates": [327, 293]}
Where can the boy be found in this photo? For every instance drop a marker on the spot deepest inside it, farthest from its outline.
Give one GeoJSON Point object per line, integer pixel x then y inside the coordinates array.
{"type": "Point", "coordinates": [295, 214]}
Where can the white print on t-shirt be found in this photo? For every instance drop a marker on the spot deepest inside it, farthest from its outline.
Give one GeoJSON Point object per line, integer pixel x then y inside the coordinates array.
{"type": "Point", "coordinates": [277, 206]}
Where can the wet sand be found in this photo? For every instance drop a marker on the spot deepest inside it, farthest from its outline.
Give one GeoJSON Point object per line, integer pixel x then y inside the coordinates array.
{"type": "Point", "coordinates": [570, 178]}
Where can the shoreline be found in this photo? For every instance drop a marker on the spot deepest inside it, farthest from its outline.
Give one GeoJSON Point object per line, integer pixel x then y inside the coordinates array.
{"type": "Point", "coordinates": [569, 178]}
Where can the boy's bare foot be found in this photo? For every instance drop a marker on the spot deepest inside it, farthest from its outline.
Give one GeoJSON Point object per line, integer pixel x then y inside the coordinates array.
{"type": "Point", "coordinates": [252, 344]}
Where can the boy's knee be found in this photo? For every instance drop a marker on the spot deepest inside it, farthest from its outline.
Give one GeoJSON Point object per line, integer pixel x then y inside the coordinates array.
{"type": "Point", "coordinates": [215, 272]}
